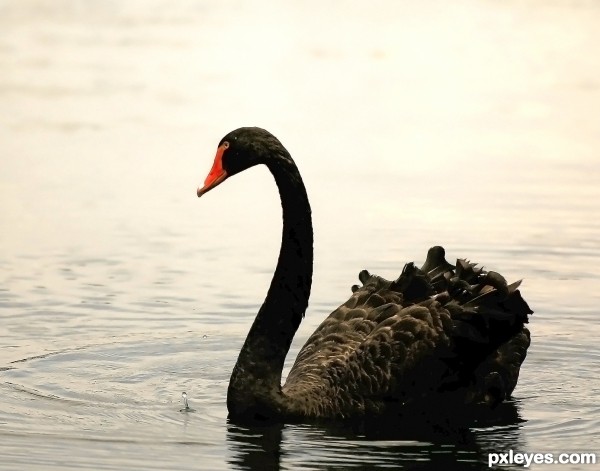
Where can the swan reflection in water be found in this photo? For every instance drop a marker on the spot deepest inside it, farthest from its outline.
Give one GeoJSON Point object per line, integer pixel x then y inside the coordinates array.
{"type": "Point", "coordinates": [405, 443]}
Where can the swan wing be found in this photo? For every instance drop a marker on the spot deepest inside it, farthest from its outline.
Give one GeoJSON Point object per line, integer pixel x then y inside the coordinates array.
{"type": "Point", "coordinates": [441, 328]}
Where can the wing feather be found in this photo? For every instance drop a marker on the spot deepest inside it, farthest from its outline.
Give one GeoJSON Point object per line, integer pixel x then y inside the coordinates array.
{"type": "Point", "coordinates": [445, 329]}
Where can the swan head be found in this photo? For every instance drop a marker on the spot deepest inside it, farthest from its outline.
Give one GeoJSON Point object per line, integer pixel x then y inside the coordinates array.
{"type": "Point", "coordinates": [239, 150]}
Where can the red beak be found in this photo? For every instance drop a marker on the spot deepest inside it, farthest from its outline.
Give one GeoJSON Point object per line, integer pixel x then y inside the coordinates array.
{"type": "Point", "coordinates": [216, 175]}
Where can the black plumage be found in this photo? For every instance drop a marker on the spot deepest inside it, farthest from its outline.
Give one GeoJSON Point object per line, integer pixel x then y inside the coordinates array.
{"type": "Point", "coordinates": [442, 332]}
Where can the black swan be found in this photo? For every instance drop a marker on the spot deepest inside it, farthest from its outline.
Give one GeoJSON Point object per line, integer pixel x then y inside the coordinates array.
{"type": "Point", "coordinates": [449, 334]}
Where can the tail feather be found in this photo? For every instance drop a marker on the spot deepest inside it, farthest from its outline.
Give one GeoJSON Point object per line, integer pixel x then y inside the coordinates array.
{"type": "Point", "coordinates": [484, 308]}
{"type": "Point", "coordinates": [486, 311]}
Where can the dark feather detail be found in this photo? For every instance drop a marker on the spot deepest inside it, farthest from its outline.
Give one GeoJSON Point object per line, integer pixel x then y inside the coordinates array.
{"type": "Point", "coordinates": [455, 330]}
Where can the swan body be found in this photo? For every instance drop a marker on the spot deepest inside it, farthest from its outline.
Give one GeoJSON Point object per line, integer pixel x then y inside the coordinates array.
{"type": "Point", "coordinates": [450, 334]}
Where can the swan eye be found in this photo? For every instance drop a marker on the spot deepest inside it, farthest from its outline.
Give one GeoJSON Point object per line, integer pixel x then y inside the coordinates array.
{"type": "Point", "coordinates": [225, 145]}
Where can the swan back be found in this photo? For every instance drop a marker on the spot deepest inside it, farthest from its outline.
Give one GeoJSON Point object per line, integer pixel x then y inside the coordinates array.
{"type": "Point", "coordinates": [454, 329]}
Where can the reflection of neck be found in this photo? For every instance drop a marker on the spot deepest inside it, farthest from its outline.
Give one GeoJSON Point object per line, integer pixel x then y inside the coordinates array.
{"type": "Point", "coordinates": [261, 359]}
{"type": "Point", "coordinates": [255, 447]}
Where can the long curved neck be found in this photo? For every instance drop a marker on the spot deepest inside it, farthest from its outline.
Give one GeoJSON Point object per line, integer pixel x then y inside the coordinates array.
{"type": "Point", "coordinates": [260, 363]}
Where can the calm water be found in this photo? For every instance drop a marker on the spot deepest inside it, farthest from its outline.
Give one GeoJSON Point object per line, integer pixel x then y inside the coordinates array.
{"type": "Point", "coordinates": [473, 124]}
